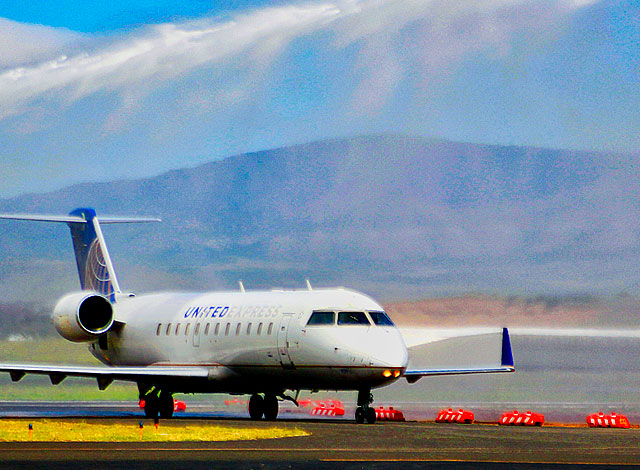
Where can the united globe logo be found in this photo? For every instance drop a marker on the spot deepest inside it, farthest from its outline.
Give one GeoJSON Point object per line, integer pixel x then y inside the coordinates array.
{"type": "Point", "coordinates": [96, 271]}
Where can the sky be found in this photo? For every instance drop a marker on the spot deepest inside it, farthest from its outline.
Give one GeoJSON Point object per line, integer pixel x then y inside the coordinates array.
{"type": "Point", "coordinates": [97, 91]}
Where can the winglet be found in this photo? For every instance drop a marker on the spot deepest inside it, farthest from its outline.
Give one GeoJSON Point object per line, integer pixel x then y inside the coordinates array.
{"type": "Point", "coordinates": [507, 354]}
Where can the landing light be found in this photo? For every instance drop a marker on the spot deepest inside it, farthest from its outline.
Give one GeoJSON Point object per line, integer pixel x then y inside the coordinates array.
{"type": "Point", "coordinates": [396, 373]}
{"type": "Point", "coordinates": [387, 373]}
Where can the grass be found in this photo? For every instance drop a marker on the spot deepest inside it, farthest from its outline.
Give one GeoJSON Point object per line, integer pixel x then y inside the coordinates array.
{"type": "Point", "coordinates": [66, 430]}
{"type": "Point", "coordinates": [72, 389]}
{"type": "Point", "coordinates": [56, 350]}
{"type": "Point", "coordinates": [52, 350]}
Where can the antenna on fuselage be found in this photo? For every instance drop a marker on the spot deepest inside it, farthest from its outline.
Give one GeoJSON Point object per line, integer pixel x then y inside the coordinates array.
{"type": "Point", "coordinates": [241, 286]}
{"type": "Point", "coordinates": [308, 285]}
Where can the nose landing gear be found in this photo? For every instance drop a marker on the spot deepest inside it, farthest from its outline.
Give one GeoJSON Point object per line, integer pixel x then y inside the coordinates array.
{"type": "Point", "coordinates": [364, 412]}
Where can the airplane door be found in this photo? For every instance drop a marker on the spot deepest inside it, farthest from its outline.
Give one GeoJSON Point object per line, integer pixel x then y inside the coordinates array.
{"type": "Point", "coordinates": [283, 345]}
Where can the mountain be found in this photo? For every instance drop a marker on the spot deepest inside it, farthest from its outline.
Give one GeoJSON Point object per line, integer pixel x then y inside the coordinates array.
{"type": "Point", "coordinates": [398, 217]}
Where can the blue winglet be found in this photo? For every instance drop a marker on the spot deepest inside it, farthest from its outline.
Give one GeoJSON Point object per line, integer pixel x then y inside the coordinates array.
{"type": "Point", "coordinates": [507, 354]}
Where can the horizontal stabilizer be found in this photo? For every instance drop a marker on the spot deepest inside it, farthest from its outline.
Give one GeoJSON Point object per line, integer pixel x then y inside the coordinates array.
{"type": "Point", "coordinates": [73, 219]}
{"type": "Point", "coordinates": [45, 218]}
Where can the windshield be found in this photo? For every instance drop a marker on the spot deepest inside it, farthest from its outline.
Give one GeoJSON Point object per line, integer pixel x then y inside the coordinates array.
{"type": "Point", "coordinates": [322, 318]}
{"type": "Point", "coordinates": [353, 318]}
{"type": "Point", "coordinates": [381, 319]}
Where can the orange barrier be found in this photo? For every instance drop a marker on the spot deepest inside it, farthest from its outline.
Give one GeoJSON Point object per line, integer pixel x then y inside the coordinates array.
{"type": "Point", "coordinates": [331, 408]}
{"type": "Point", "coordinates": [513, 418]}
{"type": "Point", "coordinates": [389, 414]}
{"type": "Point", "coordinates": [309, 403]}
{"type": "Point", "coordinates": [601, 420]}
{"type": "Point", "coordinates": [459, 416]}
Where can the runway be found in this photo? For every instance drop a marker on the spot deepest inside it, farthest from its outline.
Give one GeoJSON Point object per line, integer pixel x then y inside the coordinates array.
{"type": "Point", "coordinates": [382, 445]}
{"type": "Point", "coordinates": [391, 443]}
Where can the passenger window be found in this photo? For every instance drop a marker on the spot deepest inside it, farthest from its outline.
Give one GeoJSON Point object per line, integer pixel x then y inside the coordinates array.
{"type": "Point", "coordinates": [321, 318]}
{"type": "Point", "coordinates": [177, 329]}
{"type": "Point", "coordinates": [197, 329]}
{"type": "Point", "coordinates": [259, 328]}
{"type": "Point", "coordinates": [238, 326]}
{"type": "Point", "coordinates": [270, 329]}
{"type": "Point", "coordinates": [226, 330]}
{"type": "Point", "coordinates": [249, 329]}
{"type": "Point", "coordinates": [186, 329]}
{"type": "Point", "coordinates": [206, 329]}
{"type": "Point", "coordinates": [381, 319]}
{"type": "Point", "coordinates": [352, 318]}
{"type": "Point", "coordinates": [217, 330]}
{"type": "Point", "coordinates": [168, 329]}
{"type": "Point", "coordinates": [158, 329]}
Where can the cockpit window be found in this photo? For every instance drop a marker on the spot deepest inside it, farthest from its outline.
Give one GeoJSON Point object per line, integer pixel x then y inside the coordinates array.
{"type": "Point", "coordinates": [381, 319]}
{"type": "Point", "coordinates": [322, 318]}
{"type": "Point", "coordinates": [352, 318]}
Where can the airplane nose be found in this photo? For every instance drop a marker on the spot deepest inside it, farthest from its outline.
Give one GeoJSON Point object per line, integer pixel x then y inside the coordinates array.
{"type": "Point", "coordinates": [389, 351]}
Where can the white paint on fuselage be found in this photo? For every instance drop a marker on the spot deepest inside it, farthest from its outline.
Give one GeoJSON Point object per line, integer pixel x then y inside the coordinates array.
{"type": "Point", "coordinates": [258, 334]}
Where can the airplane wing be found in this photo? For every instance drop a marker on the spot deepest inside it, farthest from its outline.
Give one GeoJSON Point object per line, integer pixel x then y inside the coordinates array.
{"type": "Point", "coordinates": [106, 375]}
{"type": "Point", "coordinates": [480, 352]}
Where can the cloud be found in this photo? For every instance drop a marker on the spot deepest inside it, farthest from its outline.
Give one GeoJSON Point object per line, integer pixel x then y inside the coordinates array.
{"type": "Point", "coordinates": [156, 54]}
{"type": "Point", "coordinates": [431, 34]}
{"type": "Point", "coordinates": [22, 44]}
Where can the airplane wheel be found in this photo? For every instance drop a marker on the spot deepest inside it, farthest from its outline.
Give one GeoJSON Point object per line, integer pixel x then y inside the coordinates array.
{"type": "Point", "coordinates": [270, 407]}
{"type": "Point", "coordinates": [360, 415]}
{"type": "Point", "coordinates": [165, 405]}
{"type": "Point", "coordinates": [256, 407]}
{"type": "Point", "coordinates": [370, 415]}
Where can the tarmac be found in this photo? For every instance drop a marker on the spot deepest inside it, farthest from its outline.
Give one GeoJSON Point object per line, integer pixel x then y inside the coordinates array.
{"type": "Point", "coordinates": [332, 442]}
{"type": "Point", "coordinates": [383, 445]}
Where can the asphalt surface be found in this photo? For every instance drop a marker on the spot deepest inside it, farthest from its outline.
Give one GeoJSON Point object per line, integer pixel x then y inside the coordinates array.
{"type": "Point", "coordinates": [392, 444]}
{"type": "Point", "coordinates": [333, 441]}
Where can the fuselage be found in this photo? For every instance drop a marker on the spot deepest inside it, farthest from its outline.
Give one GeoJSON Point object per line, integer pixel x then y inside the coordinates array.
{"type": "Point", "coordinates": [255, 340]}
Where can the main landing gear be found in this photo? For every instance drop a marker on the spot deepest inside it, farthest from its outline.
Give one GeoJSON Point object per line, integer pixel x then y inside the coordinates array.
{"type": "Point", "coordinates": [364, 412]}
{"type": "Point", "coordinates": [267, 407]}
{"type": "Point", "coordinates": [158, 402]}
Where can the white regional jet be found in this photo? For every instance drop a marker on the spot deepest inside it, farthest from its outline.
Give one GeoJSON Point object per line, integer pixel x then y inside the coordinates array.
{"type": "Point", "coordinates": [264, 344]}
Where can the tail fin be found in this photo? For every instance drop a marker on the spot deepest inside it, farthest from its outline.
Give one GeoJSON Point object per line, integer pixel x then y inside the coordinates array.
{"type": "Point", "coordinates": [92, 257]}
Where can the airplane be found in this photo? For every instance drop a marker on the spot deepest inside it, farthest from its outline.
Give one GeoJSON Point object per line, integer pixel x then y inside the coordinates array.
{"type": "Point", "coordinates": [265, 344]}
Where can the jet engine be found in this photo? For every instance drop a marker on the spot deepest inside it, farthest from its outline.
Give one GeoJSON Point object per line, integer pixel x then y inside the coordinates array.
{"type": "Point", "coordinates": [83, 316]}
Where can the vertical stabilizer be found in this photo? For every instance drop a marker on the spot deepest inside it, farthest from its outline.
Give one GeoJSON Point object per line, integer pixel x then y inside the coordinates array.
{"type": "Point", "coordinates": [94, 264]}
{"type": "Point", "coordinates": [92, 257]}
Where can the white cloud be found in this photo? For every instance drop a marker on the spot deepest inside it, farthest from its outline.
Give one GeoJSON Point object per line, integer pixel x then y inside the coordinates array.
{"type": "Point", "coordinates": [429, 34]}
{"type": "Point", "coordinates": [156, 54]}
{"type": "Point", "coordinates": [22, 44]}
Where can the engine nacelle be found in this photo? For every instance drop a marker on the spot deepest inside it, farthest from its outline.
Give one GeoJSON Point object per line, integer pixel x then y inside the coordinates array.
{"type": "Point", "coordinates": [83, 316]}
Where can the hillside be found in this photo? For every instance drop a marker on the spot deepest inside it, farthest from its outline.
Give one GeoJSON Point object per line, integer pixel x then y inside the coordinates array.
{"type": "Point", "coordinates": [397, 217]}
{"type": "Point", "coordinates": [542, 312]}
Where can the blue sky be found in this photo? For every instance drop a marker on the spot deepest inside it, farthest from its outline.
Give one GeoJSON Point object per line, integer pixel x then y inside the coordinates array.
{"type": "Point", "coordinates": [106, 90]}
{"type": "Point", "coordinates": [106, 16]}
